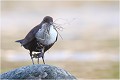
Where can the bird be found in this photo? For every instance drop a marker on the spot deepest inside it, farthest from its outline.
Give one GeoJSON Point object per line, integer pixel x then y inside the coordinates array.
{"type": "Point", "coordinates": [40, 39]}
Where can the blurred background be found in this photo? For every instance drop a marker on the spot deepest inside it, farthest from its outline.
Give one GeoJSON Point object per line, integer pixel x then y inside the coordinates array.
{"type": "Point", "coordinates": [89, 48]}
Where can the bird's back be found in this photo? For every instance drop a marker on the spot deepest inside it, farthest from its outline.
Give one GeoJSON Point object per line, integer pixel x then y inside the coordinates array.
{"type": "Point", "coordinates": [30, 36]}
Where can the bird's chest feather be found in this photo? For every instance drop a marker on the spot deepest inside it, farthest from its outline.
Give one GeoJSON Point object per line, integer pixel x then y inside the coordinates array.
{"type": "Point", "coordinates": [46, 37]}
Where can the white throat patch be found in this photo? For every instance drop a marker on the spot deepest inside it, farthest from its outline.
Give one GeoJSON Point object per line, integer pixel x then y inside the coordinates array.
{"type": "Point", "coordinates": [44, 37]}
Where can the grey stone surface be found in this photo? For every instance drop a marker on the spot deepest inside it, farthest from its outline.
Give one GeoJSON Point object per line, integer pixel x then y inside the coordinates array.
{"type": "Point", "coordinates": [38, 71]}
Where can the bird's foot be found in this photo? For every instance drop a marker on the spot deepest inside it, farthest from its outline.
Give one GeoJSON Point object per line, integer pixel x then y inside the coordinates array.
{"type": "Point", "coordinates": [39, 56]}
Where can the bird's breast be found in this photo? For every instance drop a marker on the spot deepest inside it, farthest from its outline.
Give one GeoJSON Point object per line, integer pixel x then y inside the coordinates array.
{"type": "Point", "coordinates": [45, 37]}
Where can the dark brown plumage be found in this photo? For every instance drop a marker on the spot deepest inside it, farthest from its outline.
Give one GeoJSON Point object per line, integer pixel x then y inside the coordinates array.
{"type": "Point", "coordinates": [40, 38]}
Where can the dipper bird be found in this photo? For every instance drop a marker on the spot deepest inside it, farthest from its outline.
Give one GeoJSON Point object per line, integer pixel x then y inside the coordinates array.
{"type": "Point", "coordinates": [40, 38]}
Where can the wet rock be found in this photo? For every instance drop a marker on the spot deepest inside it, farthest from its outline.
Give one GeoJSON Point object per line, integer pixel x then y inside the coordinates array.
{"type": "Point", "coordinates": [38, 71]}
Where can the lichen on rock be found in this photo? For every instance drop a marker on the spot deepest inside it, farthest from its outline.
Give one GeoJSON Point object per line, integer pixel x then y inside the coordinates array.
{"type": "Point", "coordinates": [38, 71]}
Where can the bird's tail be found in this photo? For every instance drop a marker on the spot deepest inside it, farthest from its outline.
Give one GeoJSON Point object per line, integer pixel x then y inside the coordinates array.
{"type": "Point", "coordinates": [20, 41]}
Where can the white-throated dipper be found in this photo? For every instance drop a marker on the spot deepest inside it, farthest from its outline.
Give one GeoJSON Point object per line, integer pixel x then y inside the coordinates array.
{"type": "Point", "coordinates": [40, 38]}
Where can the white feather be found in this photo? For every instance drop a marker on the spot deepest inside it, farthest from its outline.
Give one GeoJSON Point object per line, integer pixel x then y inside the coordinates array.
{"type": "Point", "coordinates": [45, 38]}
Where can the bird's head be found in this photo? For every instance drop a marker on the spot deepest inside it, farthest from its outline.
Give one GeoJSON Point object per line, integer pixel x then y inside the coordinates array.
{"type": "Point", "coordinates": [48, 20]}
{"type": "Point", "coordinates": [49, 23]}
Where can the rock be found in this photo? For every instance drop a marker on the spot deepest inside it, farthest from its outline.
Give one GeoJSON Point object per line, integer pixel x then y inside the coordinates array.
{"type": "Point", "coordinates": [38, 71]}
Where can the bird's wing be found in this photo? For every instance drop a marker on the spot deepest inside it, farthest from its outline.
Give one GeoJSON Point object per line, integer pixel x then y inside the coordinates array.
{"type": "Point", "coordinates": [31, 35]}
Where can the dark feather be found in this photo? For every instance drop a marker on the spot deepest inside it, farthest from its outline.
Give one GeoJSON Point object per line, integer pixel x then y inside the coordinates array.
{"type": "Point", "coordinates": [31, 43]}
{"type": "Point", "coordinates": [31, 35]}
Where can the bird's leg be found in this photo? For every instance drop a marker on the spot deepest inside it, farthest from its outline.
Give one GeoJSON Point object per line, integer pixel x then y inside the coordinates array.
{"type": "Point", "coordinates": [43, 59]}
{"type": "Point", "coordinates": [36, 56]}
{"type": "Point", "coordinates": [41, 54]}
{"type": "Point", "coordinates": [38, 60]}
{"type": "Point", "coordinates": [31, 57]}
{"type": "Point", "coordinates": [32, 60]}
